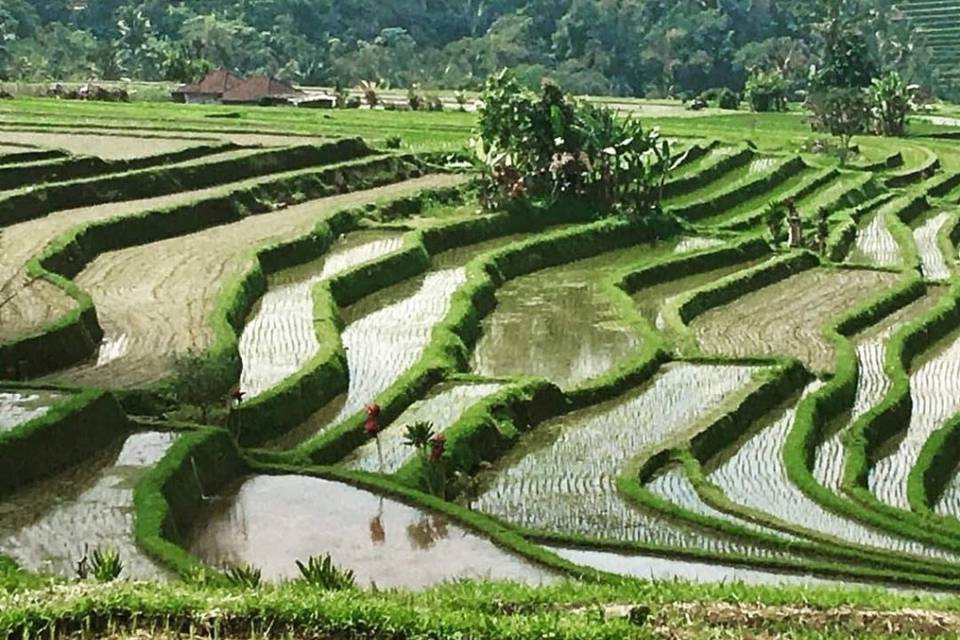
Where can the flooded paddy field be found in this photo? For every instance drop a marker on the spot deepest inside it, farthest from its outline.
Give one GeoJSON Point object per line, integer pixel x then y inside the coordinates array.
{"type": "Point", "coordinates": [562, 477]}
{"type": "Point", "coordinates": [935, 396]}
{"type": "Point", "coordinates": [160, 297]}
{"type": "Point", "coordinates": [18, 407]}
{"type": "Point", "coordinates": [872, 384]}
{"type": "Point", "coordinates": [933, 262]}
{"type": "Point", "coordinates": [874, 244]}
{"type": "Point", "coordinates": [108, 147]}
{"type": "Point", "coordinates": [273, 521]}
{"type": "Point", "coordinates": [279, 337]}
{"type": "Point", "coordinates": [787, 318]}
{"type": "Point", "coordinates": [379, 346]}
{"type": "Point", "coordinates": [754, 476]}
{"type": "Point", "coordinates": [50, 526]}
{"type": "Point", "coordinates": [560, 323]}
{"type": "Point", "coordinates": [441, 408]}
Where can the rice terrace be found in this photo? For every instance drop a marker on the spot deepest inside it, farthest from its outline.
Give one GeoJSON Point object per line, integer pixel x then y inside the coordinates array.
{"type": "Point", "coordinates": [501, 358]}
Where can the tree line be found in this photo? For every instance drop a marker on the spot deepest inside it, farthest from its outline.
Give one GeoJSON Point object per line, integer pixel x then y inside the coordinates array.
{"type": "Point", "coordinates": [652, 48]}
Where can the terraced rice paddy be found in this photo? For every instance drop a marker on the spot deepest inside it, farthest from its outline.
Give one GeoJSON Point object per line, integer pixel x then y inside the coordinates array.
{"type": "Point", "coordinates": [21, 406]}
{"type": "Point", "coordinates": [553, 459]}
{"type": "Point", "coordinates": [935, 394]}
{"type": "Point", "coordinates": [279, 339]}
{"type": "Point", "coordinates": [442, 408]}
{"type": "Point", "coordinates": [755, 477]}
{"type": "Point", "coordinates": [50, 526]}
{"type": "Point", "coordinates": [273, 521]}
{"type": "Point", "coordinates": [787, 318]}
{"type": "Point", "coordinates": [563, 478]}
{"type": "Point", "coordinates": [160, 297]}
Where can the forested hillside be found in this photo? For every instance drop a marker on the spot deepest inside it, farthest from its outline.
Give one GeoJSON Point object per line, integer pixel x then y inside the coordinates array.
{"type": "Point", "coordinates": [625, 47]}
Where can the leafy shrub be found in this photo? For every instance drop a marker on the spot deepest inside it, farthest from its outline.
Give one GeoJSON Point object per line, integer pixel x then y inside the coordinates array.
{"type": "Point", "coordinates": [890, 102]}
{"type": "Point", "coordinates": [727, 99]}
{"type": "Point", "coordinates": [320, 572]}
{"type": "Point", "coordinates": [199, 381]}
{"type": "Point", "coordinates": [245, 577]}
{"type": "Point", "coordinates": [766, 91]}
{"type": "Point", "coordinates": [414, 98]}
{"type": "Point", "coordinates": [434, 103]}
{"type": "Point", "coordinates": [546, 146]}
{"type": "Point", "coordinates": [841, 112]}
{"type": "Point", "coordinates": [371, 92]}
{"type": "Point", "coordinates": [106, 565]}
{"type": "Point", "coordinates": [393, 142]}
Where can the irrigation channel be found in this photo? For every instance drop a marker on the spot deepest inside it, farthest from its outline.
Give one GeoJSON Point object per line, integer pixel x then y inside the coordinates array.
{"type": "Point", "coordinates": [18, 407]}
{"type": "Point", "coordinates": [158, 299]}
{"type": "Point", "coordinates": [273, 521]}
{"type": "Point", "coordinates": [50, 526]}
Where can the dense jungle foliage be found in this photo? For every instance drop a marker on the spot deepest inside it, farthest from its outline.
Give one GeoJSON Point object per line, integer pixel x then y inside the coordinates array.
{"type": "Point", "coordinates": [647, 48]}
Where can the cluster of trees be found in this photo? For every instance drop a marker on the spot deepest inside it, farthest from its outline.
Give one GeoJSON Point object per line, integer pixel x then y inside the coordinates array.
{"type": "Point", "coordinates": [626, 47]}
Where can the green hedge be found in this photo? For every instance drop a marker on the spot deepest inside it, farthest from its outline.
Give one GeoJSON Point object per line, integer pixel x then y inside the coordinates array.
{"type": "Point", "coordinates": [754, 218]}
{"type": "Point", "coordinates": [72, 432]}
{"type": "Point", "coordinates": [170, 496]}
{"type": "Point", "coordinates": [892, 161]}
{"type": "Point", "coordinates": [79, 167]}
{"type": "Point", "coordinates": [936, 466]}
{"type": "Point", "coordinates": [132, 185]}
{"type": "Point", "coordinates": [75, 337]}
{"type": "Point", "coordinates": [944, 185]}
{"type": "Point", "coordinates": [717, 203]}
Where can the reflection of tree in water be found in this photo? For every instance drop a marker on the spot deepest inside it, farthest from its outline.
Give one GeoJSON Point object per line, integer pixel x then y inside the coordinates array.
{"type": "Point", "coordinates": [425, 533]}
{"type": "Point", "coordinates": [378, 535]}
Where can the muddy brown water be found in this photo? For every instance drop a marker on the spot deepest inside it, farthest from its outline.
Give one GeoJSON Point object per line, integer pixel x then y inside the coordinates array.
{"type": "Point", "coordinates": [279, 338]}
{"type": "Point", "coordinates": [37, 302]}
{"type": "Point", "coordinates": [933, 262]}
{"type": "Point", "coordinates": [107, 147]}
{"type": "Point", "coordinates": [874, 244]}
{"type": "Point", "coordinates": [562, 476]}
{"type": "Point", "coordinates": [755, 476]}
{"type": "Point", "coordinates": [560, 323]}
{"type": "Point", "coordinates": [872, 384]}
{"type": "Point", "coordinates": [935, 396]}
{"type": "Point", "coordinates": [273, 521]}
{"type": "Point", "coordinates": [18, 407]}
{"type": "Point", "coordinates": [442, 408]}
{"type": "Point", "coordinates": [47, 526]}
{"type": "Point", "coordinates": [387, 332]}
{"type": "Point", "coordinates": [787, 318]}
{"type": "Point", "coordinates": [160, 297]}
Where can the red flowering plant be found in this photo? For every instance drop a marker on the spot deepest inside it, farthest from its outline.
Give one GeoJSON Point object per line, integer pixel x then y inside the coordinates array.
{"type": "Point", "coordinates": [430, 447]}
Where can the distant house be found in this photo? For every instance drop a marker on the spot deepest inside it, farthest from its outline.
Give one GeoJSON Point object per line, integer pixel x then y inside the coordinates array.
{"type": "Point", "coordinates": [261, 90]}
{"type": "Point", "coordinates": [210, 89]}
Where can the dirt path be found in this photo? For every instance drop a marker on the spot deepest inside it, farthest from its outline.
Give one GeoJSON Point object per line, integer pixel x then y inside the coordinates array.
{"type": "Point", "coordinates": [279, 336]}
{"type": "Point", "coordinates": [788, 317]}
{"type": "Point", "coordinates": [562, 476]}
{"type": "Point", "coordinates": [36, 303]}
{"type": "Point", "coordinates": [159, 298]}
{"type": "Point", "coordinates": [46, 526]}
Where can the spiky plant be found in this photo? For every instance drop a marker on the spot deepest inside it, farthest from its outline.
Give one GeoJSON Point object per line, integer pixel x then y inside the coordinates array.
{"type": "Point", "coordinates": [244, 576]}
{"type": "Point", "coordinates": [320, 572]}
{"type": "Point", "coordinates": [106, 564]}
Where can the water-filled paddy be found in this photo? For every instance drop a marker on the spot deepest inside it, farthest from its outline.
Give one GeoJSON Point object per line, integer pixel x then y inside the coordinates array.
{"type": "Point", "coordinates": [935, 396]}
{"type": "Point", "coordinates": [560, 323]}
{"type": "Point", "coordinates": [20, 406]}
{"type": "Point", "coordinates": [279, 338]}
{"type": "Point", "coordinates": [933, 262]}
{"type": "Point", "coordinates": [442, 408]}
{"type": "Point", "coordinates": [788, 318]}
{"type": "Point", "coordinates": [755, 477]}
{"type": "Point", "coordinates": [874, 244]}
{"type": "Point", "coordinates": [562, 476]}
{"type": "Point", "coordinates": [47, 527]}
{"type": "Point", "coordinates": [273, 521]}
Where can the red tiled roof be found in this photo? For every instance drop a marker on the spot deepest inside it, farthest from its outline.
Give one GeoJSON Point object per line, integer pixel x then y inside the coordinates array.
{"type": "Point", "coordinates": [215, 83]}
